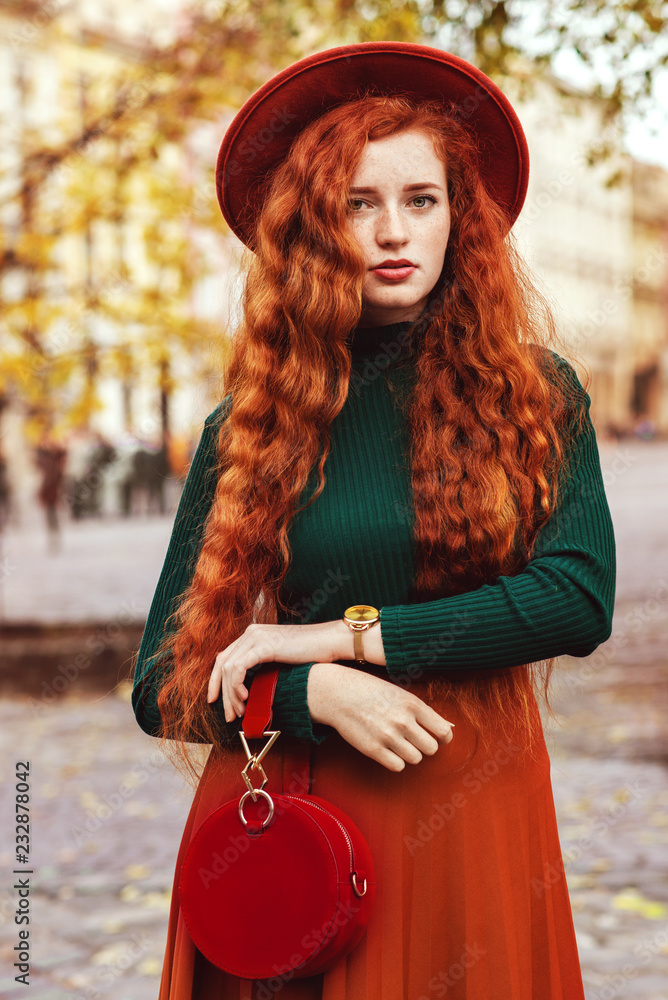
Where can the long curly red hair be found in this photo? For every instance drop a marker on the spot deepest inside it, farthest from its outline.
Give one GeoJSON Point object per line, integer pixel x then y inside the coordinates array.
{"type": "Point", "coordinates": [487, 412]}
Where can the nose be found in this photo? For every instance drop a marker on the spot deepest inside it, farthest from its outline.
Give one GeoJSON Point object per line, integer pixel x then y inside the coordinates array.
{"type": "Point", "coordinates": [391, 229]}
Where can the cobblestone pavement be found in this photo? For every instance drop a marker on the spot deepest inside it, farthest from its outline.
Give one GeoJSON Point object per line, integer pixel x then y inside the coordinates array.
{"type": "Point", "coordinates": [108, 808]}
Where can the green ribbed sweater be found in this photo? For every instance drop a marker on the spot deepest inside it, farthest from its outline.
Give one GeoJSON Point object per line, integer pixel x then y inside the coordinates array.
{"type": "Point", "coordinates": [353, 545]}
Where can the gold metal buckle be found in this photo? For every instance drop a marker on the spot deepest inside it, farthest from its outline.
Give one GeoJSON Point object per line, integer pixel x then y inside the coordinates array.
{"type": "Point", "coordinates": [267, 820]}
{"type": "Point", "coordinates": [358, 891]}
{"type": "Point", "coordinates": [255, 761]}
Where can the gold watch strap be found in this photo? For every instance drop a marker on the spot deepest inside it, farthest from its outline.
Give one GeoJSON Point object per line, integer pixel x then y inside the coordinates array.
{"type": "Point", "coordinates": [359, 648]}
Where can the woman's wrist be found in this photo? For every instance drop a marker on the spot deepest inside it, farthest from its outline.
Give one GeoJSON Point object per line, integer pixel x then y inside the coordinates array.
{"type": "Point", "coordinates": [344, 645]}
{"type": "Point", "coordinates": [322, 681]}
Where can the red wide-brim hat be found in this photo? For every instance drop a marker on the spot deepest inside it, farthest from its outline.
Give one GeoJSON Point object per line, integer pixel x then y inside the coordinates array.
{"type": "Point", "coordinates": [260, 135]}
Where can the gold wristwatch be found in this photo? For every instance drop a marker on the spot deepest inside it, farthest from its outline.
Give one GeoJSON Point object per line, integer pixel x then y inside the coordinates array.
{"type": "Point", "coordinates": [359, 618]}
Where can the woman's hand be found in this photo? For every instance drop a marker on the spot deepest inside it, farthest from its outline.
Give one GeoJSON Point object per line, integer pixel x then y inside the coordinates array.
{"type": "Point", "coordinates": [266, 643]}
{"type": "Point", "coordinates": [381, 719]}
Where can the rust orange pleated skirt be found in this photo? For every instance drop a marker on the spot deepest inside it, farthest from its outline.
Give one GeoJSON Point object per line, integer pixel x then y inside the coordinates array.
{"type": "Point", "coordinates": [471, 896]}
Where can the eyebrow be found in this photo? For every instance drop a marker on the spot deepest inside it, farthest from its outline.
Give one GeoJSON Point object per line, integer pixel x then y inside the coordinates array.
{"type": "Point", "coordinates": [407, 187]}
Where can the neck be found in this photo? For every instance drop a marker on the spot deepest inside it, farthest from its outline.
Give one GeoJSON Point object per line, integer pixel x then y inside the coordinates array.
{"type": "Point", "coordinates": [391, 339]}
{"type": "Point", "coordinates": [389, 317]}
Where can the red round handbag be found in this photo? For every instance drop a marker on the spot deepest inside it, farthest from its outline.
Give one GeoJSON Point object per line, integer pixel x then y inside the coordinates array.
{"type": "Point", "coordinates": [275, 885]}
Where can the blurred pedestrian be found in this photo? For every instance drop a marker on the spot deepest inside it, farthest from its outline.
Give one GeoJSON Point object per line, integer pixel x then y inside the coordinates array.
{"type": "Point", "coordinates": [5, 491]}
{"type": "Point", "coordinates": [151, 469]}
{"type": "Point", "coordinates": [85, 487]}
{"type": "Point", "coordinates": [50, 459]}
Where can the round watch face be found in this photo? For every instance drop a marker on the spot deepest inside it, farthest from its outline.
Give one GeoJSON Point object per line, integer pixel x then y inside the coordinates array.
{"type": "Point", "coordinates": [361, 613]}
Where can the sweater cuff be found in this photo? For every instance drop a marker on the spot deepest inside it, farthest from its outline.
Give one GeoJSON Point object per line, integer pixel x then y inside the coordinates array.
{"type": "Point", "coordinates": [146, 710]}
{"type": "Point", "coordinates": [290, 711]}
{"type": "Point", "coordinates": [393, 647]}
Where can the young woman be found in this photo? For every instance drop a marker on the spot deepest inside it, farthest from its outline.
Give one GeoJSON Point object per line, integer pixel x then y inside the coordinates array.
{"type": "Point", "coordinates": [395, 432]}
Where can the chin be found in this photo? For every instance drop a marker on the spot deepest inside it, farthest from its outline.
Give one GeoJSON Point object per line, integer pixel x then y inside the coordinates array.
{"type": "Point", "coordinates": [396, 302]}
{"type": "Point", "coordinates": [391, 307]}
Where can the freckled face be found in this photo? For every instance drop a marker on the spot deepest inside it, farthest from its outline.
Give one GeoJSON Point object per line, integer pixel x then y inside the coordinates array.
{"type": "Point", "coordinates": [400, 216]}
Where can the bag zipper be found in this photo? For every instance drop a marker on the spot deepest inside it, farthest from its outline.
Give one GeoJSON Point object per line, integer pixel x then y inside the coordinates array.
{"type": "Point", "coordinates": [349, 842]}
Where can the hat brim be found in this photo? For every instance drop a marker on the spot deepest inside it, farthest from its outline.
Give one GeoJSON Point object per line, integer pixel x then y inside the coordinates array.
{"type": "Point", "coordinates": [260, 135]}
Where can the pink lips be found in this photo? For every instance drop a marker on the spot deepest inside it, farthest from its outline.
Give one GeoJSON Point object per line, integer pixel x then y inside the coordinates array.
{"type": "Point", "coordinates": [394, 270]}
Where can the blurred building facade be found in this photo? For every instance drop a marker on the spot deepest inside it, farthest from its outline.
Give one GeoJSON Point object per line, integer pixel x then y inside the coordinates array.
{"type": "Point", "coordinates": [57, 60]}
{"type": "Point", "coordinates": [599, 253]}
{"type": "Point", "coordinates": [649, 398]}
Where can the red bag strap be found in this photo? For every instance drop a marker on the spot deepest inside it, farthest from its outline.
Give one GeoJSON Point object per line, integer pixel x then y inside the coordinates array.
{"type": "Point", "coordinates": [257, 718]}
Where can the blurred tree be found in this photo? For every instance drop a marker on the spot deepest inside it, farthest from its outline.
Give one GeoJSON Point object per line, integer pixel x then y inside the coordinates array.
{"type": "Point", "coordinates": [102, 261]}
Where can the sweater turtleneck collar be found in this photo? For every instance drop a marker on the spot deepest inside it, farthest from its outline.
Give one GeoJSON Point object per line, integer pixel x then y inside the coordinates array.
{"type": "Point", "coordinates": [369, 341]}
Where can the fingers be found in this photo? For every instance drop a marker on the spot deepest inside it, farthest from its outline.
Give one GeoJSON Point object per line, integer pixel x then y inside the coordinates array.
{"type": "Point", "coordinates": [417, 741]}
{"type": "Point", "coordinates": [390, 760]}
{"type": "Point", "coordinates": [236, 694]}
{"type": "Point", "coordinates": [424, 742]}
{"type": "Point", "coordinates": [435, 723]}
{"type": "Point", "coordinates": [234, 697]}
{"type": "Point", "coordinates": [215, 681]}
{"type": "Point", "coordinates": [408, 752]}
{"type": "Point", "coordinates": [226, 681]}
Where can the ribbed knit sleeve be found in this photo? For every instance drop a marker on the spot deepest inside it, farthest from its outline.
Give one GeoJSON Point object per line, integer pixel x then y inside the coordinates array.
{"type": "Point", "coordinates": [561, 603]}
{"type": "Point", "coordinates": [290, 714]}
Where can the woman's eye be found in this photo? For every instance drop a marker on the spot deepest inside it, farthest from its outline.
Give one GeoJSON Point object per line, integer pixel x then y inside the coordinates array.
{"type": "Point", "coordinates": [424, 198]}
{"type": "Point", "coordinates": [355, 204]}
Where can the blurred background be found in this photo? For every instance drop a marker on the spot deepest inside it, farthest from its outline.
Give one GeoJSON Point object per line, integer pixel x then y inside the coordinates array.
{"type": "Point", "coordinates": [119, 288]}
